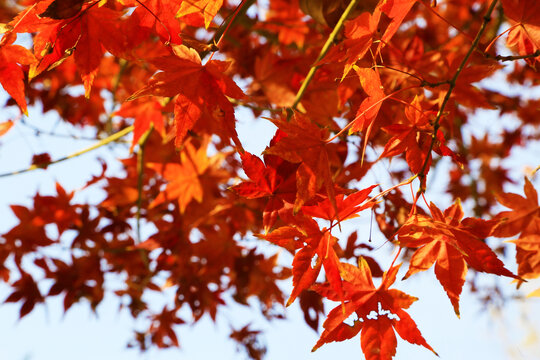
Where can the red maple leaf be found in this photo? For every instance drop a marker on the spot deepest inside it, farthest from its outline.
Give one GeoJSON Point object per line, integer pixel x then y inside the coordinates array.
{"type": "Point", "coordinates": [449, 242]}
{"type": "Point", "coordinates": [25, 289]}
{"type": "Point", "coordinates": [11, 74]}
{"type": "Point", "coordinates": [275, 180]}
{"type": "Point", "coordinates": [309, 260]}
{"type": "Point", "coordinates": [306, 144]}
{"type": "Point", "coordinates": [414, 138]}
{"type": "Point", "coordinates": [158, 17]}
{"type": "Point", "coordinates": [87, 36]}
{"type": "Point", "coordinates": [316, 250]}
{"type": "Point", "coordinates": [379, 312]}
{"type": "Point", "coordinates": [347, 208]}
{"type": "Point", "coordinates": [201, 92]}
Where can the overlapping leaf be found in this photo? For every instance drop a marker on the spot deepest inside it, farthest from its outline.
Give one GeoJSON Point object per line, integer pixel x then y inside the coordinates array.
{"type": "Point", "coordinates": [201, 92]}
{"type": "Point", "coordinates": [451, 243]}
{"type": "Point", "coordinates": [306, 144]}
{"type": "Point", "coordinates": [275, 180]}
{"type": "Point", "coordinates": [525, 33]}
{"type": "Point", "coordinates": [95, 30]}
{"type": "Point", "coordinates": [523, 219]}
{"type": "Point", "coordinates": [379, 311]}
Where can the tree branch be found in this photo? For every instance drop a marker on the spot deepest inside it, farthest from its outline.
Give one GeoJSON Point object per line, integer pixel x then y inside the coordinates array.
{"type": "Point", "coordinates": [453, 81]}
{"type": "Point", "coordinates": [101, 143]}
{"type": "Point", "coordinates": [513, 58]}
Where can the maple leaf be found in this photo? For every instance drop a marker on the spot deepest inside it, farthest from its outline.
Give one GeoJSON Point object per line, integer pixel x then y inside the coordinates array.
{"type": "Point", "coordinates": [369, 108]}
{"type": "Point", "coordinates": [452, 244]}
{"type": "Point", "coordinates": [347, 208]}
{"type": "Point", "coordinates": [158, 16]}
{"type": "Point", "coordinates": [528, 255]}
{"type": "Point", "coordinates": [285, 18]}
{"type": "Point", "coordinates": [11, 74]}
{"type": "Point", "coordinates": [359, 34]}
{"type": "Point", "coordinates": [63, 9]}
{"type": "Point", "coordinates": [95, 30]}
{"type": "Point", "coordinates": [184, 183]}
{"type": "Point", "coordinates": [396, 10]}
{"type": "Point", "coordinates": [315, 251]}
{"type": "Point", "coordinates": [525, 32]}
{"type": "Point", "coordinates": [207, 8]}
{"type": "Point", "coordinates": [379, 311]}
{"type": "Point", "coordinates": [146, 114]}
{"type": "Point", "coordinates": [25, 289]}
{"type": "Point", "coordinates": [309, 260]}
{"type": "Point", "coordinates": [276, 181]}
{"type": "Point", "coordinates": [524, 219]}
{"type": "Point", "coordinates": [414, 139]}
{"type": "Point", "coordinates": [201, 91]}
{"type": "Point", "coordinates": [524, 216]}
{"type": "Point", "coordinates": [306, 144]}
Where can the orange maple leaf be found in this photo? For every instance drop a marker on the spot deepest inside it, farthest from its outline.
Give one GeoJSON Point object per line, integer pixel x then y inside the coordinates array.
{"type": "Point", "coordinates": [452, 244]}
{"type": "Point", "coordinates": [207, 8]}
{"type": "Point", "coordinates": [201, 91]}
{"type": "Point", "coordinates": [184, 182]}
{"type": "Point", "coordinates": [316, 250]}
{"type": "Point", "coordinates": [524, 219]}
{"type": "Point", "coordinates": [159, 20]}
{"type": "Point", "coordinates": [528, 255]}
{"type": "Point", "coordinates": [525, 214]}
{"type": "Point", "coordinates": [525, 33]}
{"type": "Point", "coordinates": [379, 312]}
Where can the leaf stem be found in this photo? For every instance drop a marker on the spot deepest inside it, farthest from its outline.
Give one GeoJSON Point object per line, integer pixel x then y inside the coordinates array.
{"type": "Point", "coordinates": [101, 143]}
{"type": "Point", "coordinates": [452, 83]}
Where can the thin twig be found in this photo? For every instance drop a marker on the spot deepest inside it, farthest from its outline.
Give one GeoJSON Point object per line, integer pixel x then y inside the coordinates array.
{"type": "Point", "coordinates": [220, 32]}
{"type": "Point", "coordinates": [39, 131]}
{"type": "Point", "coordinates": [452, 83]}
{"type": "Point", "coordinates": [323, 52]}
{"type": "Point", "coordinates": [513, 58]}
{"type": "Point", "coordinates": [108, 140]}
